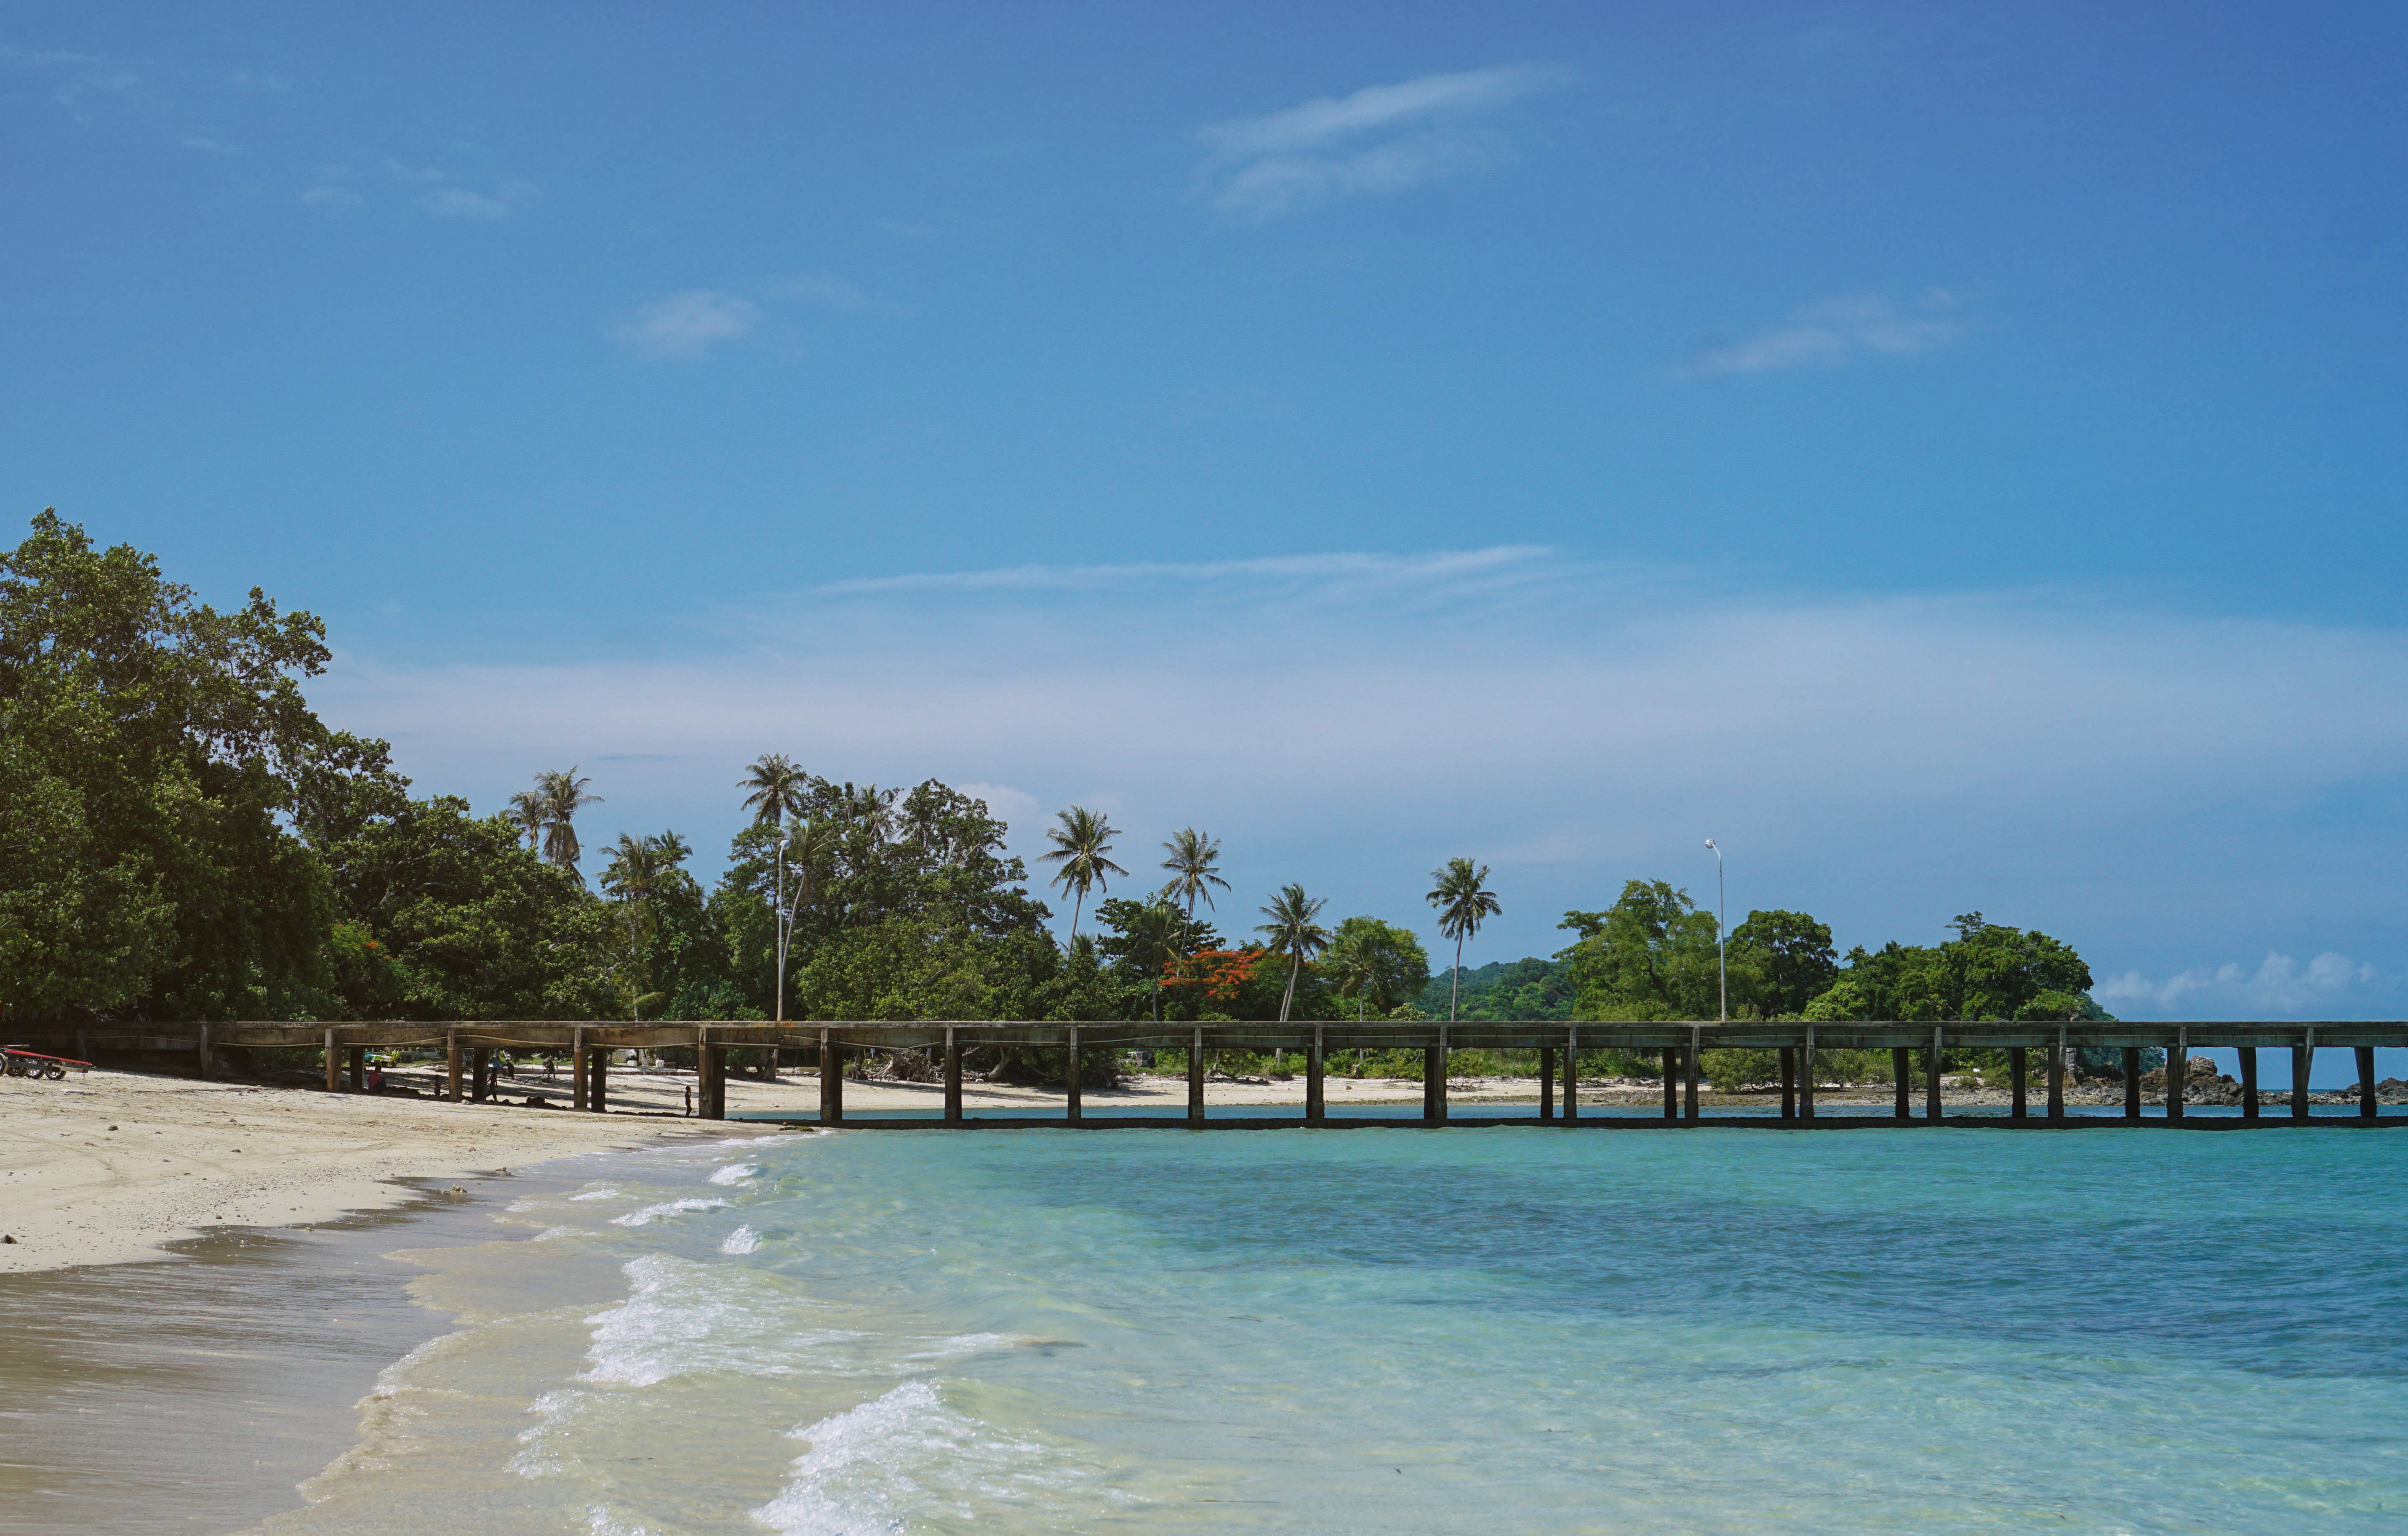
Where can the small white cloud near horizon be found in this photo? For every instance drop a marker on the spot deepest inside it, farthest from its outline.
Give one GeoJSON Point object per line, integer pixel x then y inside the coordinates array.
{"type": "Point", "coordinates": [1837, 330]}
{"type": "Point", "coordinates": [1383, 138]}
{"type": "Point", "coordinates": [2280, 985]}
{"type": "Point", "coordinates": [688, 323]}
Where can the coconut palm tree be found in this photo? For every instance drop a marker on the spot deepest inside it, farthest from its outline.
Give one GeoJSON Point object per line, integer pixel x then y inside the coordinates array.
{"type": "Point", "coordinates": [781, 789]}
{"type": "Point", "coordinates": [563, 795]}
{"type": "Point", "coordinates": [1194, 864]}
{"type": "Point", "coordinates": [1081, 844]}
{"type": "Point", "coordinates": [1295, 934]}
{"type": "Point", "coordinates": [1464, 902]}
{"type": "Point", "coordinates": [527, 813]}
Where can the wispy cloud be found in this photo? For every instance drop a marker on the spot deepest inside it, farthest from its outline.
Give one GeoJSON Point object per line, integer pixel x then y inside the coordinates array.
{"type": "Point", "coordinates": [1380, 139]}
{"type": "Point", "coordinates": [820, 288]}
{"type": "Point", "coordinates": [1261, 574]}
{"type": "Point", "coordinates": [441, 196]}
{"type": "Point", "coordinates": [686, 324]}
{"type": "Point", "coordinates": [1837, 330]}
{"type": "Point", "coordinates": [2280, 987]}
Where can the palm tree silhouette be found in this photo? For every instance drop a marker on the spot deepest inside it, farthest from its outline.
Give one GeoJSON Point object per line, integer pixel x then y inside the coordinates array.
{"type": "Point", "coordinates": [1295, 934]}
{"type": "Point", "coordinates": [563, 795]}
{"type": "Point", "coordinates": [805, 847]}
{"type": "Point", "coordinates": [1464, 902]}
{"type": "Point", "coordinates": [527, 813]}
{"type": "Point", "coordinates": [1194, 864]}
{"type": "Point", "coordinates": [1080, 845]}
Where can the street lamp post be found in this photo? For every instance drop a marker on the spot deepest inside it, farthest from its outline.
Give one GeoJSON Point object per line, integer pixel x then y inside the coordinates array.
{"type": "Point", "coordinates": [1722, 960]}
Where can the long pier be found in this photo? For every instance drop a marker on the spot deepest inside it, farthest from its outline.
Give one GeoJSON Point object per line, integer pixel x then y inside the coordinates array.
{"type": "Point", "coordinates": [469, 1047]}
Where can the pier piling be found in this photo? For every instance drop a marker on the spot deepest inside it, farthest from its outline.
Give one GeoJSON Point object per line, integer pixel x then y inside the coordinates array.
{"type": "Point", "coordinates": [2132, 1083]}
{"type": "Point", "coordinates": [2366, 1105]}
{"type": "Point", "coordinates": [1901, 1075]}
{"type": "Point", "coordinates": [952, 1076]}
{"type": "Point", "coordinates": [2017, 1068]}
{"type": "Point", "coordinates": [2248, 1083]}
{"type": "Point", "coordinates": [1547, 1083]}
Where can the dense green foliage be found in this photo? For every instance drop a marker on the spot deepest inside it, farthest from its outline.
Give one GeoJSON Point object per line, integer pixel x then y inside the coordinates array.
{"type": "Point", "coordinates": [1528, 988]}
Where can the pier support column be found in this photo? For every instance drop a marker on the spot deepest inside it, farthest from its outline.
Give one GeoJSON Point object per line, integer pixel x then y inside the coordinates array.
{"type": "Point", "coordinates": [1806, 1077]}
{"type": "Point", "coordinates": [1316, 1097]}
{"type": "Point", "coordinates": [598, 1090]}
{"type": "Point", "coordinates": [577, 1069]}
{"type": "Point", "coordinates": [2057, 1078]}
{"type": "Point", "coordinates": [1434, 1082]}
{"type": "Point", "coordinates": [2177, 1074]}
{"type": "Point", "coordinates": [1789, 1082]}
{"type": "Point", "coordinates": [358, 1065]}
{"type": "Point", "coordinates": [334, 1072]}
{"type": "Point", "coordinates": [451, 1065]}
{"type": "Point", "coordinates": [1196, 1080]}
{"type": "Point", "coordinates": [1572, 1071]}
{"type": "Point", "coordinates": [831, 1078]}
{"type": "Point", "coordinates": [1901, 1075]}
{"type": "Point", "coordinates": [1672, 1083]}
{"type": "Point", "coordinates": [2249, 1082]}
{"type": "Point", "coordinates": [1689, 1080]}
{"type": "Point", "coordinates": [202, 1062]}
{"type": "Point", "coordinates": [712, 1061]}
{"type": "Point", "coordinates": [2017, 1070]}
{"type": "Point", "coordinates": [1072, 1107]}
{"type": "Point", "coordinates": [480, 1073]}
{"type": "Point", "coordinates": [2132, 1083]}
{"type": "Point", "coordinates": [952, 1076]}
{"type": "Point", "coordinates": [2366, 1105]}
{"type": "Point", "coordinates": [1931, 1080]}
{"type": "Point", "coordinates": [1547, 1083]}
{"type": "Point", "coordinates": [2303, 1061]}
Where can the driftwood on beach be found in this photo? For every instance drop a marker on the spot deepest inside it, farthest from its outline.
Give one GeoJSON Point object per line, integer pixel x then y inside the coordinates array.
{"type": "Point", "coordinates": [469, 1047]}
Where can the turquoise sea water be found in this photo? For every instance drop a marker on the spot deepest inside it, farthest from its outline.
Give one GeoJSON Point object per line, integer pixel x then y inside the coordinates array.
{"type": "Point", "coordinates": [1502, 1329]}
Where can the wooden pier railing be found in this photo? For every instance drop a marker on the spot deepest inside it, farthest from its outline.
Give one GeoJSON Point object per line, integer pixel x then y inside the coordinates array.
{"type": "Point", "coordinates": [469, 1045]}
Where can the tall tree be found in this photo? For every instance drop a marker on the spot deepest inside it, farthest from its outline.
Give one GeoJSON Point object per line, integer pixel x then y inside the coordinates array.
{"type": "Point", "coordinates": [564, 797]}
{"type": "Point", "coordinates": [155, 754]}
{"type": "Point", "coordinates": [1295, 932]}
{"type": "Point", "coordinates": [779, 790]}
{"type": "Point", "coordinates": [1650, 955]}
{"type": "Point", "coordinates": [1195, 865]}
{"type": "Point", "coordinates": [1464, 902]}
{"type": "Point", "coordinates": [1082, 843]}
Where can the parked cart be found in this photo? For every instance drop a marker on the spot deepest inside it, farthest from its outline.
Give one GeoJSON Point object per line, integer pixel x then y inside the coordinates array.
{"type": "Point", "coordinates": [22, 1062]}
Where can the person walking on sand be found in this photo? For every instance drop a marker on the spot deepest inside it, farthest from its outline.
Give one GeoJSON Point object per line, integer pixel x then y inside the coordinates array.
{"type": "Point", "coordinates": [375, 1078]}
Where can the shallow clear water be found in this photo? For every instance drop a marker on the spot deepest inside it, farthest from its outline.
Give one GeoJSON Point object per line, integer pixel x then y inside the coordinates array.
{"type": "Point", "coordinates": [1503, 1330]}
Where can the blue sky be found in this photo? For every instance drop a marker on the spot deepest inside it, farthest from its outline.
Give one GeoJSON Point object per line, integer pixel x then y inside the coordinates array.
{"type": "Point", "coordinates": [1952, 456]}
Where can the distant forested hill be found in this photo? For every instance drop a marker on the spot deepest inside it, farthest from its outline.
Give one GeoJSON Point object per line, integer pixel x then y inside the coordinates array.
{"type": "Point", "coordinates": [1528, 988]}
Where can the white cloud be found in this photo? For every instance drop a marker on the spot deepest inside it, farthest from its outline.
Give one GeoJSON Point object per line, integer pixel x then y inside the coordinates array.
{"type": "Point", "coordinates": [2278, 988]}
{"type": "Point", "coordinates": [819, 288]}
{"type": "Point", "coordinates": [686, 324]}
{"type": "Point", "coordinates": [441, 197]}
{"type": "Point", "coordinates": [1383, 138]}
{"type": "Point", "coordinates": [1837, 330]}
